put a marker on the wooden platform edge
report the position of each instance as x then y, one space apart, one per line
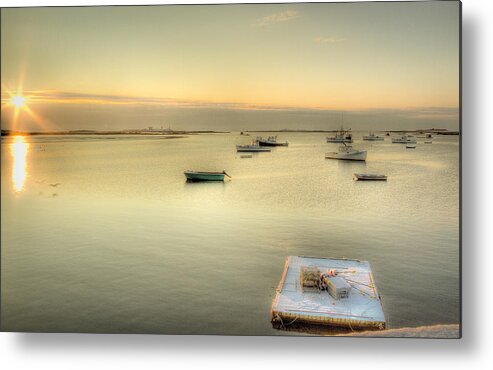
279 288
333 258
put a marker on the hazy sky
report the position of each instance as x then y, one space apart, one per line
233 66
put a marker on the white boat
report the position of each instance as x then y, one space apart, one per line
410 146
369 177
341 136
251 148
372 137
404 139
346 152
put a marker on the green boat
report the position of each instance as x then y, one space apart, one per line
195 176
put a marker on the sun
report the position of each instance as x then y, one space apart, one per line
18 100
19 105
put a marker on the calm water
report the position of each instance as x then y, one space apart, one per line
103 234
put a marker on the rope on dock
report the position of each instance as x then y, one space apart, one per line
350 327
359 283
278 319
291 322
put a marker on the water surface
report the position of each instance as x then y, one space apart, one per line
103 234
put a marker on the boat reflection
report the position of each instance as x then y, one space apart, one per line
19 149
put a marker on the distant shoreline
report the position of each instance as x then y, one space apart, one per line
437 131
195 132
91 132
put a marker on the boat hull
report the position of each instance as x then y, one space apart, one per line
370 138
369 177
403 141
358 156
339 141
268 143
203 176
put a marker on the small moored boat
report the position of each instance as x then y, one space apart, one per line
341 136
369 177
195 176
404 139
270 141
372 137
410 146
346 152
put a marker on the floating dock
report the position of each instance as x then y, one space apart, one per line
301 299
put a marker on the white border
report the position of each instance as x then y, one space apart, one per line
82 351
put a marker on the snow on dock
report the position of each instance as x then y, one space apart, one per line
298 299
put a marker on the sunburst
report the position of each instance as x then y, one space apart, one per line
18 101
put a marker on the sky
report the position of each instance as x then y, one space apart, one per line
232 67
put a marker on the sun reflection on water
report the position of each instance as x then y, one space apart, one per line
19 149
